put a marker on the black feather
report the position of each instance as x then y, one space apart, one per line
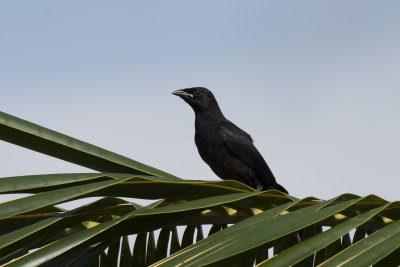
227 149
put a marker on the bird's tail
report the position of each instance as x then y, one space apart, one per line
281 188
277 187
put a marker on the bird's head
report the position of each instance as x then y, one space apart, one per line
199 98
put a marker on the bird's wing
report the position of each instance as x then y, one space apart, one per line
241 145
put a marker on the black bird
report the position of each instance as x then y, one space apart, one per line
227 149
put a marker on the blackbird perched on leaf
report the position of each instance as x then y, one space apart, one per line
227 149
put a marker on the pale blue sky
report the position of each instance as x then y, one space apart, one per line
316 83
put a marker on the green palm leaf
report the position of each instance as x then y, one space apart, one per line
265 228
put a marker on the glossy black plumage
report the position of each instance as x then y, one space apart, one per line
227 149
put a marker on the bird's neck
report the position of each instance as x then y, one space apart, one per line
206 122
210 114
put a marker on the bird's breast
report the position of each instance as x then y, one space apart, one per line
212 150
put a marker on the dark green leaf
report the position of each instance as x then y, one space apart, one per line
329 237
369 250
359 235
175 246
199 233
33 202
151 249
333 248
392 259
46 141
126 256
103 260
139 250
282 244
113 253
91 257
162 243
214 229
188 236
346 241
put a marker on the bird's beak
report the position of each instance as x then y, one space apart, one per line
182 93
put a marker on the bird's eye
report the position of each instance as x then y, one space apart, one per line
197 92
